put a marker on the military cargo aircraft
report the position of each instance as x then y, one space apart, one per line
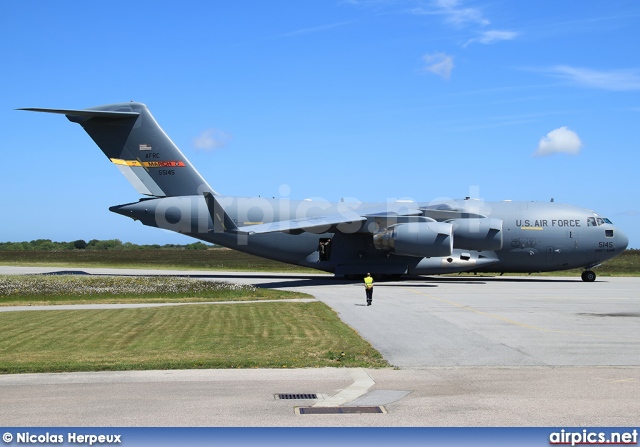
348 239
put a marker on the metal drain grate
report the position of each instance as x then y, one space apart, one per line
339 410
297 396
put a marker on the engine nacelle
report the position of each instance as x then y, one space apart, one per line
481 234
420 239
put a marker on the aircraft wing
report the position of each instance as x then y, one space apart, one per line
348 221
318 225
445 211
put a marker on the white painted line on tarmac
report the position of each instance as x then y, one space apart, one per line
361 384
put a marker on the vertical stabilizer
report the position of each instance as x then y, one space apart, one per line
131 138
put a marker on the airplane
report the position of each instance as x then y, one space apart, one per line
349 239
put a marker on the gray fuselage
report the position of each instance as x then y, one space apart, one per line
535 236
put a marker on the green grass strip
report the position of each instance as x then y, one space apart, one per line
260 335
20 290
217 259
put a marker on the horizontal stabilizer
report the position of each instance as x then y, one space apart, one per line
88 113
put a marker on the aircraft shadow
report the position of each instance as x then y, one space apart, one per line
310 281
485 279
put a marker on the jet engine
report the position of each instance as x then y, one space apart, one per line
481 234
420 239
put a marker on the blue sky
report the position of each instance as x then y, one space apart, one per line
363 99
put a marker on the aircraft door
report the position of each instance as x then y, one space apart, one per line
550 254
324 249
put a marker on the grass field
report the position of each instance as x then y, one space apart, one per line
251 335
265 335
243 335
212 259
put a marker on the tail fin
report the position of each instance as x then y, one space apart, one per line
131 138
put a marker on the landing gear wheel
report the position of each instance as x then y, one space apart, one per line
588 276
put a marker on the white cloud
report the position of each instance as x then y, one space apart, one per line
561 140
453 11
439 63
211 139
617 80
493 36
458 15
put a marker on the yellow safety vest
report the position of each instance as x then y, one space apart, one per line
368 282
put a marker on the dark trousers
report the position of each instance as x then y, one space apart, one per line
369 294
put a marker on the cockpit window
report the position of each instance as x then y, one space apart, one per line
597 221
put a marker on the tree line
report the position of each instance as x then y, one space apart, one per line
95 244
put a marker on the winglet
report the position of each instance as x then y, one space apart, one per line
222 223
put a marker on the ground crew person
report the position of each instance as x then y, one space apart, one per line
368 287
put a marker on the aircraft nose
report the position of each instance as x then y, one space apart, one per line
621 240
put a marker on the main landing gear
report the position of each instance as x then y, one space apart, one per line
588 276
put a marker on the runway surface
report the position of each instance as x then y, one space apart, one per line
468 351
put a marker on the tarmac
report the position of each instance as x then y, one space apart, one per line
468 351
